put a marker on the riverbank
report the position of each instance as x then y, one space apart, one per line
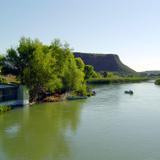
55 98
116 80
5 109
111 80
67 96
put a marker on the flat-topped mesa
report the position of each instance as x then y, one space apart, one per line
105 62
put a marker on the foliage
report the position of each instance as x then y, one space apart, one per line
2 58
106 74
157 82
4 108
80 63
45 68
18 59
116 80
39 75
82 91
66 67
89 72
2 80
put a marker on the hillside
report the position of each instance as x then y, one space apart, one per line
105 62
152 73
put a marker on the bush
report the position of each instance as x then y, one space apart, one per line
2 80
82 91
5 108
157 82
116 80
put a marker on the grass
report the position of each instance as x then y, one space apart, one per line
10 78
116 80
5 108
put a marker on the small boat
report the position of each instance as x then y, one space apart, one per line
93 93
128 92
76 97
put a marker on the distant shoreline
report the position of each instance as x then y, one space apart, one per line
117 80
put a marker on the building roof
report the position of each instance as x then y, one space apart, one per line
5 85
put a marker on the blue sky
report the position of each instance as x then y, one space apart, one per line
129 28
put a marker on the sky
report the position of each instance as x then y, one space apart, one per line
129 28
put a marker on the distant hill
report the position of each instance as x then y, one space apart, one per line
105 62
152 73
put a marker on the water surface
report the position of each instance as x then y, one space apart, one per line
109 126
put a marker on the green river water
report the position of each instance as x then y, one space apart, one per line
109 126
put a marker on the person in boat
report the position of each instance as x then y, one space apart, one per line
93 93
129 92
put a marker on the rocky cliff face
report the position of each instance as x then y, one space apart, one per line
105 62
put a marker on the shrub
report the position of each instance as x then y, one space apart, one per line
157 82
4 108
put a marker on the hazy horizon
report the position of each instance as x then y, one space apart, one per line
127 28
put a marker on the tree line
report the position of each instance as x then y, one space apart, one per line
46 68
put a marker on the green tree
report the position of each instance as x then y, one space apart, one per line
45 68
104 74
80 64
18 59
2 59
61 53
89 72
66 67
39 75
73 77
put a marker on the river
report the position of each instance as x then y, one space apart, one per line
109 126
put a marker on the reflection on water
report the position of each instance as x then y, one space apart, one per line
13 130
39 132
108 126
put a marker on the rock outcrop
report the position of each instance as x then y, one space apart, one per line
105 62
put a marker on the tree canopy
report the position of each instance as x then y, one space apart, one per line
46 68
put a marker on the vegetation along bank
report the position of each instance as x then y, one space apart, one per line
157 82
116 80
52 71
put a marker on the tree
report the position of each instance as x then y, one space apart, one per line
61 53
39 75
105 74
46 68
18 59
2 58
67 70
73 77
89 72
80 64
